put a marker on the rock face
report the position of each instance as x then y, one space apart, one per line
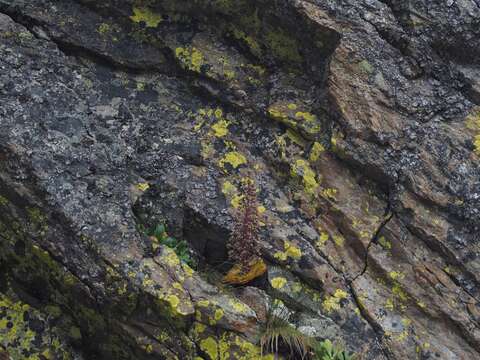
359 121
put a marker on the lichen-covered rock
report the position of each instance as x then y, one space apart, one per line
358 121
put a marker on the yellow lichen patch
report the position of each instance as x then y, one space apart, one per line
387 245
210 347
199 328
297 287
295 138
218 314
237 200
402 336
147 16
208 150
330 193
290 251
218 113
396 275
238 275
310 122
317 150
333 142
228 189
234 158
238 306
322 239
20 337
339 240
278 282
399 292
296 120
149 348
191 58
203 303
229 74
332 303
104 28
143 186
389 305
187 269
220 128
472 122
169 257
305 116
302 169
277 112
231 192
476 143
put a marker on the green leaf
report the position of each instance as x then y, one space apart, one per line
170 242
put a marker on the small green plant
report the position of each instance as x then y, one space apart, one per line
159 236
325 350
278 331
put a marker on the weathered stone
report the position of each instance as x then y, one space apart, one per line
358 121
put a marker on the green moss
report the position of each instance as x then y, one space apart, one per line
75 333
147 16
283 46
248 41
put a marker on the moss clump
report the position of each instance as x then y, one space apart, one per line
283 46
147 16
